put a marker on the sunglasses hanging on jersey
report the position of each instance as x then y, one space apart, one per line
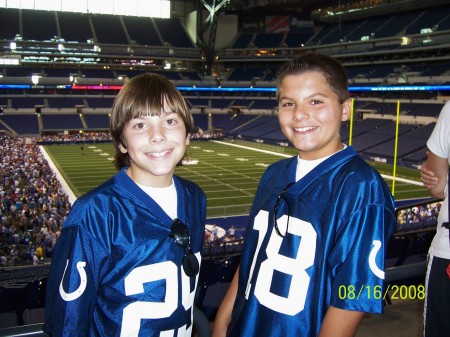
180 235
275 210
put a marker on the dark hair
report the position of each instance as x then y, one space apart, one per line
329 67
145 95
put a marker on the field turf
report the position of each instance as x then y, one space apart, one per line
229 175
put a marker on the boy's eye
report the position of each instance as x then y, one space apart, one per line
315 101
171 121
139 125
287 104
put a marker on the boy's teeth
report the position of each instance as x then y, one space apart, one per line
158 154
305 128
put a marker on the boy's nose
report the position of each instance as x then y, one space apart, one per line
299 114
157 135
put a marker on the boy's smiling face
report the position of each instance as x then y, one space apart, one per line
310 114
155 144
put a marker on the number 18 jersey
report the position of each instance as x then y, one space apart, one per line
336 222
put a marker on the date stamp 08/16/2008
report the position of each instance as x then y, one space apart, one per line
393 292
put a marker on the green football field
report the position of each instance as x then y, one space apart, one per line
228 172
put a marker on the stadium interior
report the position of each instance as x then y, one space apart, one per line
60 72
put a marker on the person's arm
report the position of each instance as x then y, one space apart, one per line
428 178
439 169
223 316
340 323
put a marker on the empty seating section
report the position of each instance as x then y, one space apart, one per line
265 125
276 135
22 72
246 74
340 32
173 33
57 72
230 122
367 28
201 121
75 27
218 103
46 22
360 128
268 40
408 142
263 104
9 23
142 31
255 122
435 70
190 75
412 22
99 102
197 102
374 136
172 75
97 121
4 102
22 124
61 122
26 102
428 19
420 109
243 40
243 103
64 102
108 29
295 40
97 73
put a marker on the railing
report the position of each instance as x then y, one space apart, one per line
201 324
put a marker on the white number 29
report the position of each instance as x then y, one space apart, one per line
134 284
296 267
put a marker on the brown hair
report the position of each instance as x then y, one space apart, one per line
329 67
145 95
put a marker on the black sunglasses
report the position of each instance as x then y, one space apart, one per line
275 210
180 235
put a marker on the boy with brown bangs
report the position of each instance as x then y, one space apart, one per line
127 260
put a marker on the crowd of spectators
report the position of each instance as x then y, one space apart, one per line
419 217
105 137
33 206
76 137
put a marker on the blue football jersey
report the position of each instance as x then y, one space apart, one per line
116 272
336 223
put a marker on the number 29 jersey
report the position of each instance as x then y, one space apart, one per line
336 223
116 271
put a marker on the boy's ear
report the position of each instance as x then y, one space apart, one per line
346 110
187 138
122 148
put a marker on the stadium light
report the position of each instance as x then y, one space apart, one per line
35 79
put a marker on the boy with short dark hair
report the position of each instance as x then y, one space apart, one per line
313 257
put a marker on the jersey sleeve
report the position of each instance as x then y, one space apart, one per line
358 259
73 280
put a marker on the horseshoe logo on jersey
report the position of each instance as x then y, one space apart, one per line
372 263
82 287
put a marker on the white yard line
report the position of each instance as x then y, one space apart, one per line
412 182
65 187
